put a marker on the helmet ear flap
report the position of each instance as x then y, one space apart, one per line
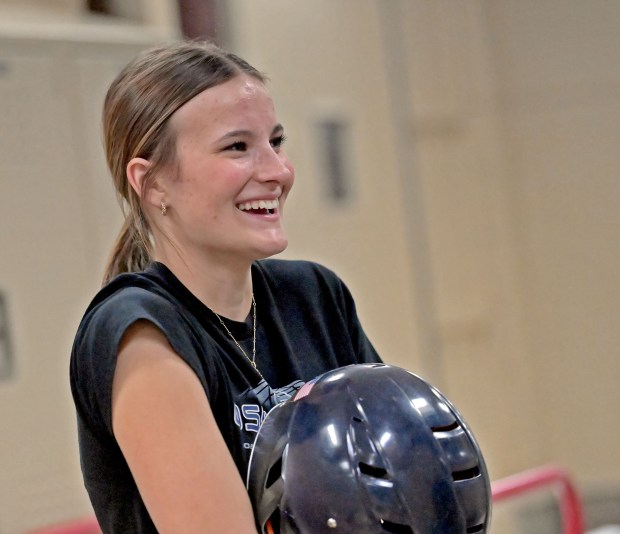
264 481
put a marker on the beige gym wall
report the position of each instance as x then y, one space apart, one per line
482 241
59 220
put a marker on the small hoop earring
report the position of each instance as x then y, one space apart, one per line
164 209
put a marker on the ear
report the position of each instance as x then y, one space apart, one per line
137 170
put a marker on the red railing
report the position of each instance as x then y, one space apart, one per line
553 477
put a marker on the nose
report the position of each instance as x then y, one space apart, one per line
273 166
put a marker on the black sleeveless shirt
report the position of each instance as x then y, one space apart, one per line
306 325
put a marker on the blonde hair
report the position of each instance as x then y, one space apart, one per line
136 113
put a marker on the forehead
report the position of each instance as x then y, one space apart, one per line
231 104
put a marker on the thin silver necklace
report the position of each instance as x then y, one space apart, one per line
252 360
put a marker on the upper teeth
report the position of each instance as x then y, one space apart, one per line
259 204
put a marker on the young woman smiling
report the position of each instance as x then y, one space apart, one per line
196 335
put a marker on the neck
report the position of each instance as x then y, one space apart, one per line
223 286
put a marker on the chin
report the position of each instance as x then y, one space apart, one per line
271 249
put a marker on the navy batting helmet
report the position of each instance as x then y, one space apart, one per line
368 448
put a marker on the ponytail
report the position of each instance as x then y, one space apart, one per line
131 251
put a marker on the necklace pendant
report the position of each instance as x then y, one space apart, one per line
253 363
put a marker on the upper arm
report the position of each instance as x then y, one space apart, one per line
163 423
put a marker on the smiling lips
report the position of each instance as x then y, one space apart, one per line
260 207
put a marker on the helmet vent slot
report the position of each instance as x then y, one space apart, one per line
466 474
372 471
273 523
477 528
395 528
446 428
275 472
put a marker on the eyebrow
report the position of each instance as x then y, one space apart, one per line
278 128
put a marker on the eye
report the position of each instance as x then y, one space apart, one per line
278 141
238 146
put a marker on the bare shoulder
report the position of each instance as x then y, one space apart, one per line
162 420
